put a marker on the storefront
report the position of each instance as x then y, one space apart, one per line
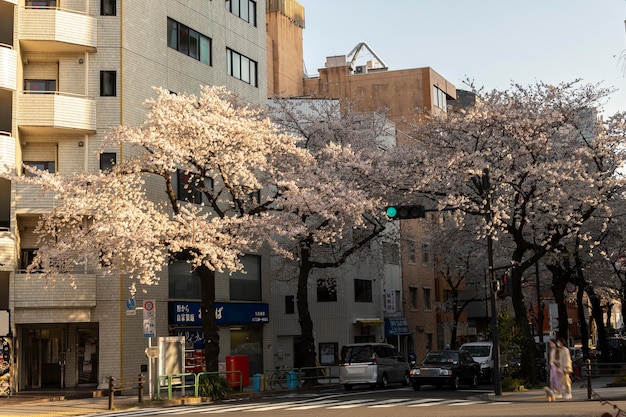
242 323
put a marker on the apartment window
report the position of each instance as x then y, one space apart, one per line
241 67
411 252
245 9
48 166
188 41
439 98
108 8
362 291
326 290
190 187
290 304
247 286
391 253
184 282
40 86
27 256
107 160
427 303
413 297
41 4
425 254
107 83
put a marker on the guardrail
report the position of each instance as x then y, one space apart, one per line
119 385
598 369
190 380
188 384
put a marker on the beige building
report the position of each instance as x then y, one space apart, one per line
70 70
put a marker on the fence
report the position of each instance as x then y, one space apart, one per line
188 384
596 369
120 385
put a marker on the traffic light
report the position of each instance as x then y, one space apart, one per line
405 212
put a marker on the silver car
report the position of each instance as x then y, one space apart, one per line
374 364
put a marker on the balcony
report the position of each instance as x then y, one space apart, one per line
8 67
40 112
7 153
57 30
7 250
34 292
32 199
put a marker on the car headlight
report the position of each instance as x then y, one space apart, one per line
445 372
415 372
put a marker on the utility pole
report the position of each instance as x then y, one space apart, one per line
492 276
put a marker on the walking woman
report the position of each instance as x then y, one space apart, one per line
555 390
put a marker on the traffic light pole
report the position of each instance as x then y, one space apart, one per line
492 276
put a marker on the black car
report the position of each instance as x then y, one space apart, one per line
446 367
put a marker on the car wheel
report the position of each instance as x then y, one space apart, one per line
474 382
407 380
456 383
416 386
347 387
384 381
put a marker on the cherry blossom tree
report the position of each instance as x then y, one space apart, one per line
551 164
345 198
241 175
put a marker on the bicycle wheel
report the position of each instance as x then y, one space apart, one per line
274 381
282 380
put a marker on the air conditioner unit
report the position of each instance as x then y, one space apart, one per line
360 69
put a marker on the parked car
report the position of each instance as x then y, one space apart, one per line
374 364
482 352
446 367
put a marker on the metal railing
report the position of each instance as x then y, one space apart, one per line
119 385
594 369
188 384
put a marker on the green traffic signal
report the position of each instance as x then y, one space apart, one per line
405 212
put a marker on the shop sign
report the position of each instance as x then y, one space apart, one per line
225 313
395 326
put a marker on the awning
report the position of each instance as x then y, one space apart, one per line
396 326
369 322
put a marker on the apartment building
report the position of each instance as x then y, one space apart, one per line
371 86
70 70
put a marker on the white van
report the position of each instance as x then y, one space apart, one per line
375 364
482 352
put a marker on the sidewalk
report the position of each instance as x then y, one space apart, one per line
81 401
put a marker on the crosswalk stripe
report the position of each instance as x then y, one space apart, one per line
317 404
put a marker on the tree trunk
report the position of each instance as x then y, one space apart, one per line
529 349
582 320
596 311
209 324
306 323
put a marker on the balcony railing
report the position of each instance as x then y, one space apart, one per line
32 199
8 255
35 292
57 110
7 153
8 67
57 30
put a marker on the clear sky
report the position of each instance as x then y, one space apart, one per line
493 42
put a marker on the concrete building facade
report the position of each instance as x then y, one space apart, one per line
69 71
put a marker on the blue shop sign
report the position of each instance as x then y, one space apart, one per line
396 326
225 313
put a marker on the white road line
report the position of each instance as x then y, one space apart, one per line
312 406
388 403
350 404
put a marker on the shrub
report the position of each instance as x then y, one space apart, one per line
214 387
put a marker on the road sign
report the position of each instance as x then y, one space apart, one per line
149 318
131 304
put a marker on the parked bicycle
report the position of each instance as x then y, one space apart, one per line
278 379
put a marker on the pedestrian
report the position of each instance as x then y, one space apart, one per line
555 390
565 359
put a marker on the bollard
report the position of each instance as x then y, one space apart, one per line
111 392
140 389
589 390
